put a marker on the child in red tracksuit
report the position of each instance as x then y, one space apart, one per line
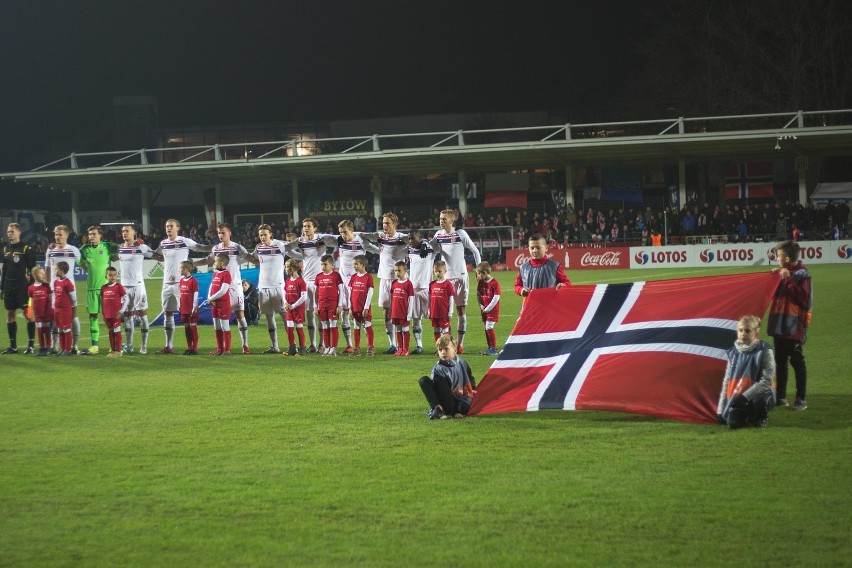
361 290
188 286
402 305
441 295
789 319
64 305
40 303
331 297
220 303
114 302
488 294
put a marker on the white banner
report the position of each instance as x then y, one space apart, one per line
748 254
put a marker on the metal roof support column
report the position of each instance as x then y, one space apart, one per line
681 182
75 210
376 189
802 168
462 193
145 197
569 186
220 213
294 184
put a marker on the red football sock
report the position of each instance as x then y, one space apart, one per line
370 337
357 338
301 332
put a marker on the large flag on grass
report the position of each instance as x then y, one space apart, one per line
655 348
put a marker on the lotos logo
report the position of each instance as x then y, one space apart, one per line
727 255
641 258
844 252
772 254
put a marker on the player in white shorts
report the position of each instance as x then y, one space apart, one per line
173 250
393 247
131 256
270 254
312 246
59 252
349 245
421 261
453 242
235 253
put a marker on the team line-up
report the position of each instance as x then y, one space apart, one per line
297 280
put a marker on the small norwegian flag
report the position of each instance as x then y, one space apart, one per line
751 180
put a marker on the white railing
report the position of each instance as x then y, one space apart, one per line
306 148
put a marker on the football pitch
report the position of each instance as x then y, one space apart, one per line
269 460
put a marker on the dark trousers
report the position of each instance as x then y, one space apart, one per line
790 350
440 392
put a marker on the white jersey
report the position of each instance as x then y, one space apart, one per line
68 253
392 249
312 250
234 251
420 269
452 248
174 252
349 250
131 256
271 258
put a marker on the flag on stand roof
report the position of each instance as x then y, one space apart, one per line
655 348
506 190
749 180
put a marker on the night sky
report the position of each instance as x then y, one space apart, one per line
220 62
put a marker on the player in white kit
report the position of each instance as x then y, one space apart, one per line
349 245
131 255
173 250
235 253
421 261
59 252
453 242
312 246
393 247
270 255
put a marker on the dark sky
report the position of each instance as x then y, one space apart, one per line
252 62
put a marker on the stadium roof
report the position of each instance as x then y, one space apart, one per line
810 134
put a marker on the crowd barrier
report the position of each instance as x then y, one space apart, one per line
686 256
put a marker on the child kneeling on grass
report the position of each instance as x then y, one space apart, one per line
748 392
450 389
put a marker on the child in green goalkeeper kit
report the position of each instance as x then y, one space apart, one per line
95 257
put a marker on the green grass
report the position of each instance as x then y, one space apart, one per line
265 460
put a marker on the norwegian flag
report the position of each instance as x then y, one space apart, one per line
654 348
751 180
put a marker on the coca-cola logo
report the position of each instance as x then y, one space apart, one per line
609 258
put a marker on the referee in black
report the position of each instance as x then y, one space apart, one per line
18 261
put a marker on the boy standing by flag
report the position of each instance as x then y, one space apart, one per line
789 319
539 271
